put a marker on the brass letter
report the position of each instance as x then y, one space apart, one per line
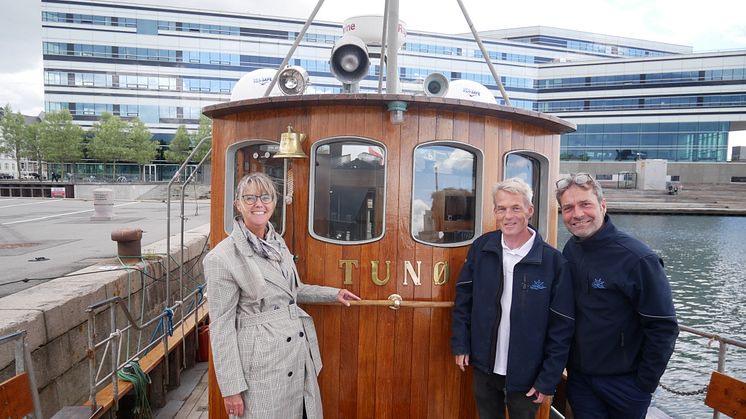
440 273
409 270
348 264
374 272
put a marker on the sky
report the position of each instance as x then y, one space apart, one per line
714 25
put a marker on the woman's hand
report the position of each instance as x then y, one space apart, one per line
233 405
344 297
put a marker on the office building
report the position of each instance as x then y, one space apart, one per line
630 98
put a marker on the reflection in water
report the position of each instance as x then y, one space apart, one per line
705 258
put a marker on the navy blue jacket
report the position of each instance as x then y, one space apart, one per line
625 319
541 313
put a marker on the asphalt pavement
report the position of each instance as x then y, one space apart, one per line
44 238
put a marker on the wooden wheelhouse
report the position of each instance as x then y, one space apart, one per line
385 209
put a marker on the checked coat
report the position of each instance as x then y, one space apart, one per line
264 346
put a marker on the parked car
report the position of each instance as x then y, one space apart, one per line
4 176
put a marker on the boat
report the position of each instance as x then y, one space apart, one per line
382 193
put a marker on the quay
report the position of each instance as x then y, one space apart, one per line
694 199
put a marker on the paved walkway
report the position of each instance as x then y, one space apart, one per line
44 238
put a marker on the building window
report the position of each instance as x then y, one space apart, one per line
348 190
250 156
532 168
445 194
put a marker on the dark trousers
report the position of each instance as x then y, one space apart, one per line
606 397
491 397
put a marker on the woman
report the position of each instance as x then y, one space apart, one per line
264 347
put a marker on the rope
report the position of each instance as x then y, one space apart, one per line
133 373
200 293
170 316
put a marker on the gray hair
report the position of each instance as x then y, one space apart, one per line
261 181
583 181
514 185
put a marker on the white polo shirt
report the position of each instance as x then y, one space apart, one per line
510 258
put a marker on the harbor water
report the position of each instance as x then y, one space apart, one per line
705 258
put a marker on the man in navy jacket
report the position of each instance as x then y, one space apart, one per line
513 315
625 328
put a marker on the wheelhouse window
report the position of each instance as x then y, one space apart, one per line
445 195
533 168
251 156
348 190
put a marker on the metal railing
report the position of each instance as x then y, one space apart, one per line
183 185
112 344
24 364
723 343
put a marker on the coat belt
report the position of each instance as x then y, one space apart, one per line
290 312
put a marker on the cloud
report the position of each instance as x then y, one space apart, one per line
23 91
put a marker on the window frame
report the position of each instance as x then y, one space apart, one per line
543 195
478 193
230 186
312 187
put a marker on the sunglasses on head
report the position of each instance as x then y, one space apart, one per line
578 179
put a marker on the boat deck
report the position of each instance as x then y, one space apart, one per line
189 399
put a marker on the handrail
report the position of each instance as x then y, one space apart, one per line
395 302
723 342
114 340
168 231
25 364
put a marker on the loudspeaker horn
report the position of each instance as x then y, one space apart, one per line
350 61
436 85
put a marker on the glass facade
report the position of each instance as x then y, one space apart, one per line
163 65
682 141
593 47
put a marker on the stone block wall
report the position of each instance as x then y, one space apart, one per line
54 314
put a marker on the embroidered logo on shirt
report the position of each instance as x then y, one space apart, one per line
538 285
598 283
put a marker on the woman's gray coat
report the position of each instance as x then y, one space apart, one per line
264 346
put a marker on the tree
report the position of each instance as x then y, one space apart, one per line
12 135
32 140
204 130
140 144
61 140
109 142
180 146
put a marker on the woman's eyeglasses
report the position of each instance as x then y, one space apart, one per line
580 179
251 199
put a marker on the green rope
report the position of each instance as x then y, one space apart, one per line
133 373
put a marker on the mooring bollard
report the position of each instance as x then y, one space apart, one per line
103 204
128 243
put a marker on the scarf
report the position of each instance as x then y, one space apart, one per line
270 247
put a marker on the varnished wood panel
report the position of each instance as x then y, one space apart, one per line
379 362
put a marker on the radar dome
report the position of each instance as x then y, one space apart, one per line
470 90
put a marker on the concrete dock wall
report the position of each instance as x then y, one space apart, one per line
688 172
54 314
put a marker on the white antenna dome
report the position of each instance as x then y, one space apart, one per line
470 90
253 85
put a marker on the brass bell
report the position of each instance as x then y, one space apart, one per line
290 145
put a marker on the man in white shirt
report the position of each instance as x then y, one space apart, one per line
513 315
